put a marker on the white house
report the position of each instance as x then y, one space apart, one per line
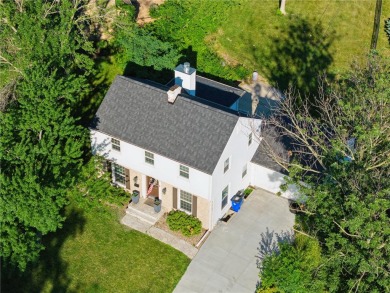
187 143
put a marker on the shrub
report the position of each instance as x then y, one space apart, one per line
187 224
247 191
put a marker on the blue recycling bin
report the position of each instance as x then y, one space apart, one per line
237 201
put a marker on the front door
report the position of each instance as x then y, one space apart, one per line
151 187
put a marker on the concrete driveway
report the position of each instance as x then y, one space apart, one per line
227 261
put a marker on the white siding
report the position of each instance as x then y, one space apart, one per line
240 153
164 169
270 180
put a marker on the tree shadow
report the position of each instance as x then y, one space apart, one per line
50 268
297 56
269 243
148 72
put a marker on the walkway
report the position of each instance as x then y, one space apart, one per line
227 261
142 218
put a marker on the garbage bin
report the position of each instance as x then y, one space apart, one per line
237 201
135 196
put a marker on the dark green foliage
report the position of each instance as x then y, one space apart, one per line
143 48
187 24
347 198
42 144
179 33
187 224
293 268
387 28
41 148
94 187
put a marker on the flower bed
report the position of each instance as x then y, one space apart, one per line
162 224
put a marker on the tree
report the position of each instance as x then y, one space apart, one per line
47 32
282 6
377 21
340 161
293 267
387 28
45 62
143 48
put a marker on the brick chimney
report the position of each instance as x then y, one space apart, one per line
173 92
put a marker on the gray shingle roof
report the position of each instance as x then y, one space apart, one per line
280 146
190 132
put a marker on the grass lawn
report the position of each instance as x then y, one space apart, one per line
95 253
250 34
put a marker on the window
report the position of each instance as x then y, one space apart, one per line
225 193
185 201
184 171
149 158
244 170
116 144
226 165
250 139
119 174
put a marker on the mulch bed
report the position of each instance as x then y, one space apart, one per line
162 224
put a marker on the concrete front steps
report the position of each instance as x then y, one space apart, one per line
143 212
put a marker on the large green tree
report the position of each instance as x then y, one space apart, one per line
45 64
343 159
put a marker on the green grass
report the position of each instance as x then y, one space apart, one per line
253 27
95 253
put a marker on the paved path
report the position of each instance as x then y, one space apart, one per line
227 261
159 234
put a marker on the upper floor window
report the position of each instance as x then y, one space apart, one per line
185 201
244 170
184 171
116 144
250 139
226 165
225 193
149 158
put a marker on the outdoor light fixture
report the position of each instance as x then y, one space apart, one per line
135 179
164 190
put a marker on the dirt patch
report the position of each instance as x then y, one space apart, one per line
101 18
193 240
144 8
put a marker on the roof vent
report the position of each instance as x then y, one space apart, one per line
173 93
186 67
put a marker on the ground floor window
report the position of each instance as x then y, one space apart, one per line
119 174
225 193
185 201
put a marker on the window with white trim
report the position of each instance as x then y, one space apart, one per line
119 174
244 171
184 171
226 165
225 193
250 139
149 158
115 144
185 201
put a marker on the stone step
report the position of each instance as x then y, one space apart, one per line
144 213
135 223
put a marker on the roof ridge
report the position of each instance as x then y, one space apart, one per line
187 98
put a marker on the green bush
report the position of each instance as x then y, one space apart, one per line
247 191
187 224
94 187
